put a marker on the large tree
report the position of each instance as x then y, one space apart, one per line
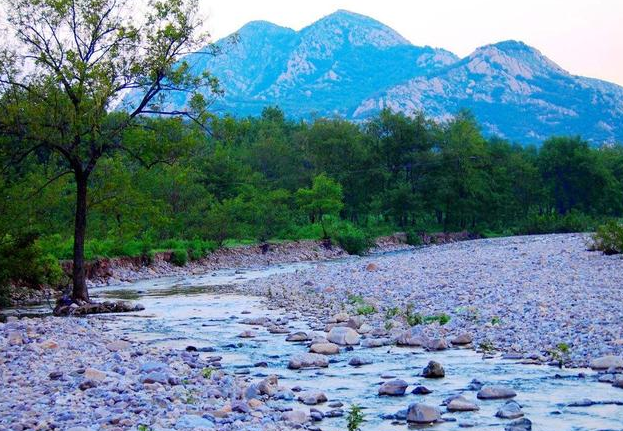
79 74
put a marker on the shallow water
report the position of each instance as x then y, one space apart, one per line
201 311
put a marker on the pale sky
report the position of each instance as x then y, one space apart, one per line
585 37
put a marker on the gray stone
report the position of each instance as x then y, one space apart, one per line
308 360
606 362
433 370
523 424
393 388
461 404
343 336
510 410
495 393
423 414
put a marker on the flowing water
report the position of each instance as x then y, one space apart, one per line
203 312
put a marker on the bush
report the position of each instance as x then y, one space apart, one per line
414 238
555 223
352 239
609 238
179 257
366 310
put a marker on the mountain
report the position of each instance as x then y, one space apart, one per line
351 65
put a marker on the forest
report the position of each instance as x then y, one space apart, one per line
254 180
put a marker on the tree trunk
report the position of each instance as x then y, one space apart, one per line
80 291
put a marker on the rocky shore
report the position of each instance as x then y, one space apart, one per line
539 299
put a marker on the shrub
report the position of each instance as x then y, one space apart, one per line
609 238
442 319
554 223
352 239
179 257
355 418
366 310
414 238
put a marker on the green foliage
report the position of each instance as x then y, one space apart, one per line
207 372
352 239
179 257
412 319
390 313
573 221
609 238
354 418
413 237
366 310
442 319
356 300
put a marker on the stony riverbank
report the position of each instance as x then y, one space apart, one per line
75 374
535 298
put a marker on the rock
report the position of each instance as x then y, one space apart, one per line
155 377
295 417
358 361
269 386
355 322
343 336
421 390
435 344
193 422
461 404
412 337
148 367
49 344
372 267
247 334
297 336
365 329
462 339
255 403
433 370
325 348
393 388
311 398
510 410
55 375
118 345
423 414
618 382
341 317
95 375
15 338
522 424
495 393
308 360
375 342
606 362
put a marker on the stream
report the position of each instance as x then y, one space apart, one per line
203 311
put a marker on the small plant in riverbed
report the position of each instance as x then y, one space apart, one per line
560 353
355 418
412 318
190 397
355 300
495 320
366 310
389 324
207 372
143 427
390 313
469 313
486 347
442 319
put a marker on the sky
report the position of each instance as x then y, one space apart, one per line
584 37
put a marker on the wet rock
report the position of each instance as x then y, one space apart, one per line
393 388
295 417
423 414
461 404
462 339
495 393
297 336
618 383
523 424
308 360
375 342
269 386
435 344
433 370
412 337
421 390
311 398
336 413
247 334
475 385
510 410
343 336
325 348
358 361
606 362
55 375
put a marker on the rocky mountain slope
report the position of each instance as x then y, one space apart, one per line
351 65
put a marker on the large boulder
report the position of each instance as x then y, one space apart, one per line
423 414
295 417
412 337
462 339
522 424
343 336
308 360
433 370
461 404
495 393
606 362
269 386
510 410
325 348
311 398
393 388
298 336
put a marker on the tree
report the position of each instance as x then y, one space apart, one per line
72 61
324 198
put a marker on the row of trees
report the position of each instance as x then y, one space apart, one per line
77 151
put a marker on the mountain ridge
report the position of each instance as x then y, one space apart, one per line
351 65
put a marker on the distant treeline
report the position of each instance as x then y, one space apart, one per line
270 178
